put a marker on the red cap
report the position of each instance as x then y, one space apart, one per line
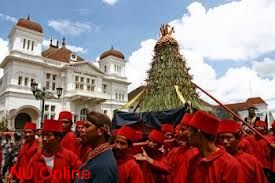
186 119
260 123
273 124
156 136
167 128
229 126
65 115
52 125
127 132
80 123
205 122
29 126
138 136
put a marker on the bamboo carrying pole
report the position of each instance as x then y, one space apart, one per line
231 112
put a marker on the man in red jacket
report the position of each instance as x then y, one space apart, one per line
27 150
179 155
128 169
53 163
69 140
154 164
168 132
229 136
82 148
260 148
212 164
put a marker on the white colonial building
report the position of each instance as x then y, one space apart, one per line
85 86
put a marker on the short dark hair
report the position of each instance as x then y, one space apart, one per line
210 138
101 120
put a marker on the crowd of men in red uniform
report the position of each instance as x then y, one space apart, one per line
200 149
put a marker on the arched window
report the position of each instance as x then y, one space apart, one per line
83 114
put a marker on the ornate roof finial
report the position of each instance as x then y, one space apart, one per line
57 42
28 18
164 30
51 41
63 41
112 47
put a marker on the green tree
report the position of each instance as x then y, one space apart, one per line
168 68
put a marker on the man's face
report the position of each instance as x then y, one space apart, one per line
260 129
66 125
29 135
49 140
79 127
183 135
88 133
168 135
229 141
153 144
194 137
251 112
120 146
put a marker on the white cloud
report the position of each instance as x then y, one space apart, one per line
139 63
8 18
110 2
3 52
71 28
236 30
73 48
265 68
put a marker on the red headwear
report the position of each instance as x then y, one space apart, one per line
127 132
30 126
138 136
260 123
229 126
167 128
156 136
273 124
80 123
205 122
52 125
65 115
186 119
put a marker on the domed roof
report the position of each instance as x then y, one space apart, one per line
27 23
112 52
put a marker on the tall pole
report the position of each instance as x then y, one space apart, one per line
42 113
232 113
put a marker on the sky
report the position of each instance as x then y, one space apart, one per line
229 45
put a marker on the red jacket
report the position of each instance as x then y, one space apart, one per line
245 145
272 139
83 152
178 159
25 154
261 150
220 167
129 171
157 172
70 142
64 161
251 167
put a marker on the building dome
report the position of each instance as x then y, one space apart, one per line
27 23
112 52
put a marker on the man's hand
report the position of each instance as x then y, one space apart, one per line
143 157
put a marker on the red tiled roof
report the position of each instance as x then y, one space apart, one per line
26 23
112 52
62 54
250 102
